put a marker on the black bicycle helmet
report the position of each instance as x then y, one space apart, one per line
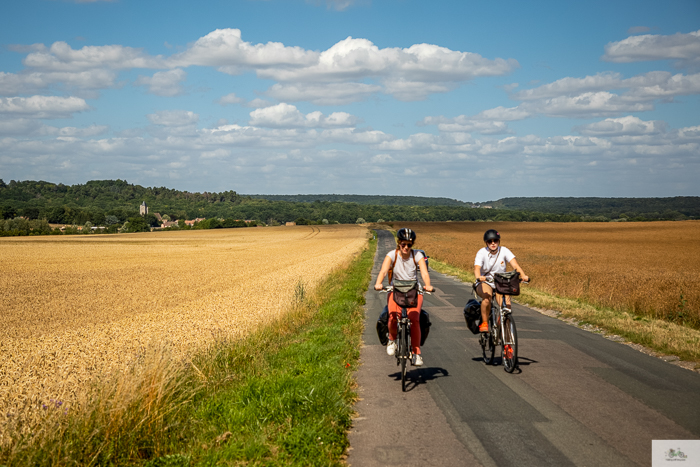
406 235
491 234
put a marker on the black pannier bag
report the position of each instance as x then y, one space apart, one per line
472 315
424 326
383 326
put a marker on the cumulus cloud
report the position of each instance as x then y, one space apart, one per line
349 71
229 99
164 83
685 48
288 116
74 132
409 74
62 57
623 126
585 105
464 124
569 86
173 118
12 84
224 48
323 94
42 106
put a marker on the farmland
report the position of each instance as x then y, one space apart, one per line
75 309
650 269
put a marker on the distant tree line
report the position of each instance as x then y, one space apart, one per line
112 205
675 208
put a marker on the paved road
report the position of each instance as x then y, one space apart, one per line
579 399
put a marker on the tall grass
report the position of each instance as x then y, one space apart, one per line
282 395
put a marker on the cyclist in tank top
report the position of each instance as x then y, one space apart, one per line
405 264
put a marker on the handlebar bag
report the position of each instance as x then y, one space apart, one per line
507 283
406 293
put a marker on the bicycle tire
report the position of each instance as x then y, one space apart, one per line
509 353
488 349
404 355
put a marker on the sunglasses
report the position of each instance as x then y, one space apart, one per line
403 245
488 242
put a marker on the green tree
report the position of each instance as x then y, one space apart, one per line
137 224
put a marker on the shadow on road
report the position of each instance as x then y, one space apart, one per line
418 376
522 361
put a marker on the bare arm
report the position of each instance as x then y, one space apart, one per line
477 274
386 265
424 274
517 267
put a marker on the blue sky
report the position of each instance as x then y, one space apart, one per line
468 100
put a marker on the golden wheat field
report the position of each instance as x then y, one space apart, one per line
649 268
76 308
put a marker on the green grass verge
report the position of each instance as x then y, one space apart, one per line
658 335
283 396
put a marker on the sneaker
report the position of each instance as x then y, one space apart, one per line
506 310
391 348
484 327
417 360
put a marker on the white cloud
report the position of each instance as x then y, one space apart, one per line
224 48
623 126
408 74
571 86
231 99
259 103
42 106
464 124
173 118
62 57
74 132
323 94
682 47
661 85
349 71
24 83
589 104
164 83
288 116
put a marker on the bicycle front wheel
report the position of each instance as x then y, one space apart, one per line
404 353
510 344
488 349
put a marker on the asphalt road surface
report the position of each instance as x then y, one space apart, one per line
578 399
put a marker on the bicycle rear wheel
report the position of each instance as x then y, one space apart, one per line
510 344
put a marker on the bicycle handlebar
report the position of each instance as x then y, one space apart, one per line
390 288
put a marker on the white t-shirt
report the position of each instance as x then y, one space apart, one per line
405 270
491 264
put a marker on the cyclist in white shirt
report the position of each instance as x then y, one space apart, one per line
490 260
